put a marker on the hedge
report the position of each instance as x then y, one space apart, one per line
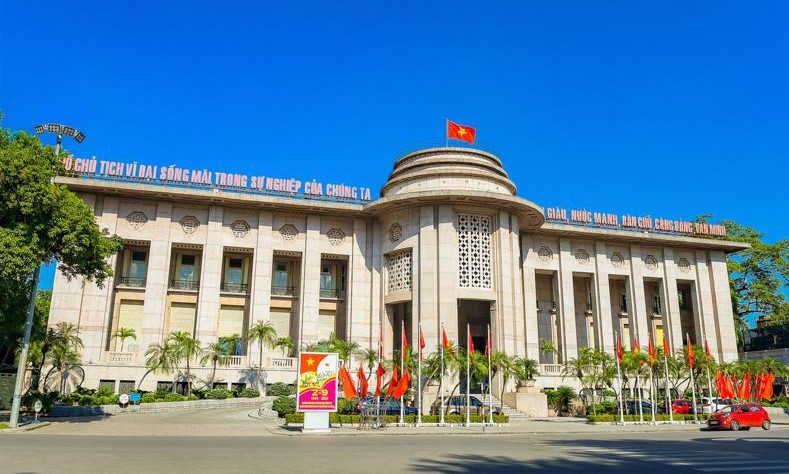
647 417
298 418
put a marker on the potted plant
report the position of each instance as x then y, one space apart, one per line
525 371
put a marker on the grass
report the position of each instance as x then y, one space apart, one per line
4 426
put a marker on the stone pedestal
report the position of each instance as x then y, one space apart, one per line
316 422
529 401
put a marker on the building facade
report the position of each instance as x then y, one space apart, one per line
448 243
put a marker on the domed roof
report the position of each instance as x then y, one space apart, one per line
454 175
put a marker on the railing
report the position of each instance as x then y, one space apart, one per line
656 309
623 308
193 285
234 361
132 282
120 358
554 306
551 369
283 362
330 293
283 290
235 287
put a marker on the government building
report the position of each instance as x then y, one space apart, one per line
449 242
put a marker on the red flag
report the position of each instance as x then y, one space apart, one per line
421 341
379 376
405 340
666 349
744 393
766 390
707 349
362 382
380 342
489 344
444 339
348 386
729 384
636 348
720 385
402 385
619 348
470 340
461 132
651 352
691 357
392 383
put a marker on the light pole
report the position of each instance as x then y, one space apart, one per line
21 368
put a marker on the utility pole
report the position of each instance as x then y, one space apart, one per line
21 369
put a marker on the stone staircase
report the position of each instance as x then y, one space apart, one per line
512 413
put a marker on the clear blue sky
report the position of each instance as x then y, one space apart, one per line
671 109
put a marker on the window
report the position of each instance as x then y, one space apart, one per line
235 274
126 386
130 316
681 297
656 306
187 270
182 317
107 383
137 266
281 282
623 303
164 386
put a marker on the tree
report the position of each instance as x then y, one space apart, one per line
344 349
215 353
266 336
502 364
41 222
187 347
64 337
123 334
284 343
159 357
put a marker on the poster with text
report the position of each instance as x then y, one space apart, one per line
317 384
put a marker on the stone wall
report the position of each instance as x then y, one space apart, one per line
67 411
7 382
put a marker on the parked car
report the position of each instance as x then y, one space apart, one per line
457 406
743 416
711 405
631 408
389 406
681 407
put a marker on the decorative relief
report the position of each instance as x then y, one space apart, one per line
240 228
288 231
336 236
582 257
189 224
395 232
136 220
617 260
474 251
545 254
651 262
684 265
399 270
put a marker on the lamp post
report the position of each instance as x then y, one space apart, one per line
21 368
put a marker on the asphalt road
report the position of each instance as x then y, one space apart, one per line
755 451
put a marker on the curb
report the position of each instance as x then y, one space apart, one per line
27 427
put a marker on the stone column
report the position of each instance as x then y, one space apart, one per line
376 281
603 303
723 345
705 317
446 256
531 323
640 316
426 281
262 267
567 311
673 329
358 326
309 296
155 306
506 324
210 278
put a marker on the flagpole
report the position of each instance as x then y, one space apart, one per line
441 385
619 376
419 379
468 373
638 393
380 356
652 393
446 135
489 347
692 383
402 361
668 390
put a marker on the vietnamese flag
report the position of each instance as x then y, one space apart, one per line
651 351
691 357
392 383
461 132
666 350
348 386
379 374
619 348
470 340
444 339
707 348
720 384
744 393
402 385
421 341
362 382
766 389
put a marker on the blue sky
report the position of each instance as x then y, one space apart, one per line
670 109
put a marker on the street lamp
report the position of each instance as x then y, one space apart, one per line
21 368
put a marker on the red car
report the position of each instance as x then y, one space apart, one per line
681 407
742 416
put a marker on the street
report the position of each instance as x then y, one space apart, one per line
653 452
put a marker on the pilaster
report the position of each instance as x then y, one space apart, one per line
640 319
262 266
603 295
154 308
310 282
210 278
567 314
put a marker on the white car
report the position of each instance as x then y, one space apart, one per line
711 405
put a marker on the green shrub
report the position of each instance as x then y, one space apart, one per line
174 397
192 397
87 401
47 400
337 418
199 393
611 418
4 426
104 392
346 407
148 397
603 408
106 400
249 392
217 394
284 406
160 394
279 389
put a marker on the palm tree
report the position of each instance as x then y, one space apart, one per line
64 359
284 343
63 334
215 353
159 357
502 364
123 334
344 349
186 347
266 336
548 348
